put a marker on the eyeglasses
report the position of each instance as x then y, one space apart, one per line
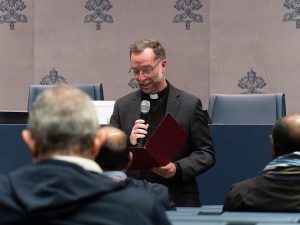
146 71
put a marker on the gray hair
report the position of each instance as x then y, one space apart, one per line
63 119
140 45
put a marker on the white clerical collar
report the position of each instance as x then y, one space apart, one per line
154 96
85 163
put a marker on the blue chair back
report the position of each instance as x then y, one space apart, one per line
95 91
241 126
246 108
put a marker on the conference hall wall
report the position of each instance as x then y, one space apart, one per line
213 46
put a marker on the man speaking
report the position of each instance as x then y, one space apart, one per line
148 67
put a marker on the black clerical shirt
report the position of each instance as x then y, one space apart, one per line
157 109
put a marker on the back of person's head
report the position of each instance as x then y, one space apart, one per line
63 119
286 135
114 153
140 45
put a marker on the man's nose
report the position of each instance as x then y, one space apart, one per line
141 75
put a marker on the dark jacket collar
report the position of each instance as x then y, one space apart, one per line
172 106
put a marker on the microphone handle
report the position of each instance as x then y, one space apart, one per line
141 141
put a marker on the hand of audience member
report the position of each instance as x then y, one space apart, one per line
139 130
166 171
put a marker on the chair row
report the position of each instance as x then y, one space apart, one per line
222 108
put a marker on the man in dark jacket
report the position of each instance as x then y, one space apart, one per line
65 184
277 188
115 158
148 68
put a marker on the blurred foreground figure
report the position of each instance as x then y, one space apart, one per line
277 188
115 158
65 184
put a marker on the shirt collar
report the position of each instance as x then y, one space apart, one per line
85 163
157 95
116 175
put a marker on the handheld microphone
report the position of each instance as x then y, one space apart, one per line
145 107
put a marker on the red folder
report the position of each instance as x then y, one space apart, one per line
161 147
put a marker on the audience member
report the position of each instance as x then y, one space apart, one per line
65 184
148 68
277 188
115 158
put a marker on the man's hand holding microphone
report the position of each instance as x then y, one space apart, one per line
138 133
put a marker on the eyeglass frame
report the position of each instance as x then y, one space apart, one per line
143 70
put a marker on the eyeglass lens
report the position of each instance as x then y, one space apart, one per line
147 70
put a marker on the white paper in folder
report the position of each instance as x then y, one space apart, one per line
104 110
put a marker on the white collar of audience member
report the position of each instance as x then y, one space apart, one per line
86 164
116 175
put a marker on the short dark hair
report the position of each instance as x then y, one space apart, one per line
285 136
140 45
114 153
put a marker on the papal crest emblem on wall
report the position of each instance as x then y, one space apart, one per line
251 82
133 84
11 9
98 7
188 15
294 14
53 78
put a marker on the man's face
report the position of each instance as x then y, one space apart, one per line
149 73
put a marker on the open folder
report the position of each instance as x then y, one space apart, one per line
161 146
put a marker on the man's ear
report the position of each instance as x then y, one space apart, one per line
164 65
275 150
98 142
130 157
30 142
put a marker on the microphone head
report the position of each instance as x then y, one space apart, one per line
145 106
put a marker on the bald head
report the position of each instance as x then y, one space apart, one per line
114 137
286 134
114 153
